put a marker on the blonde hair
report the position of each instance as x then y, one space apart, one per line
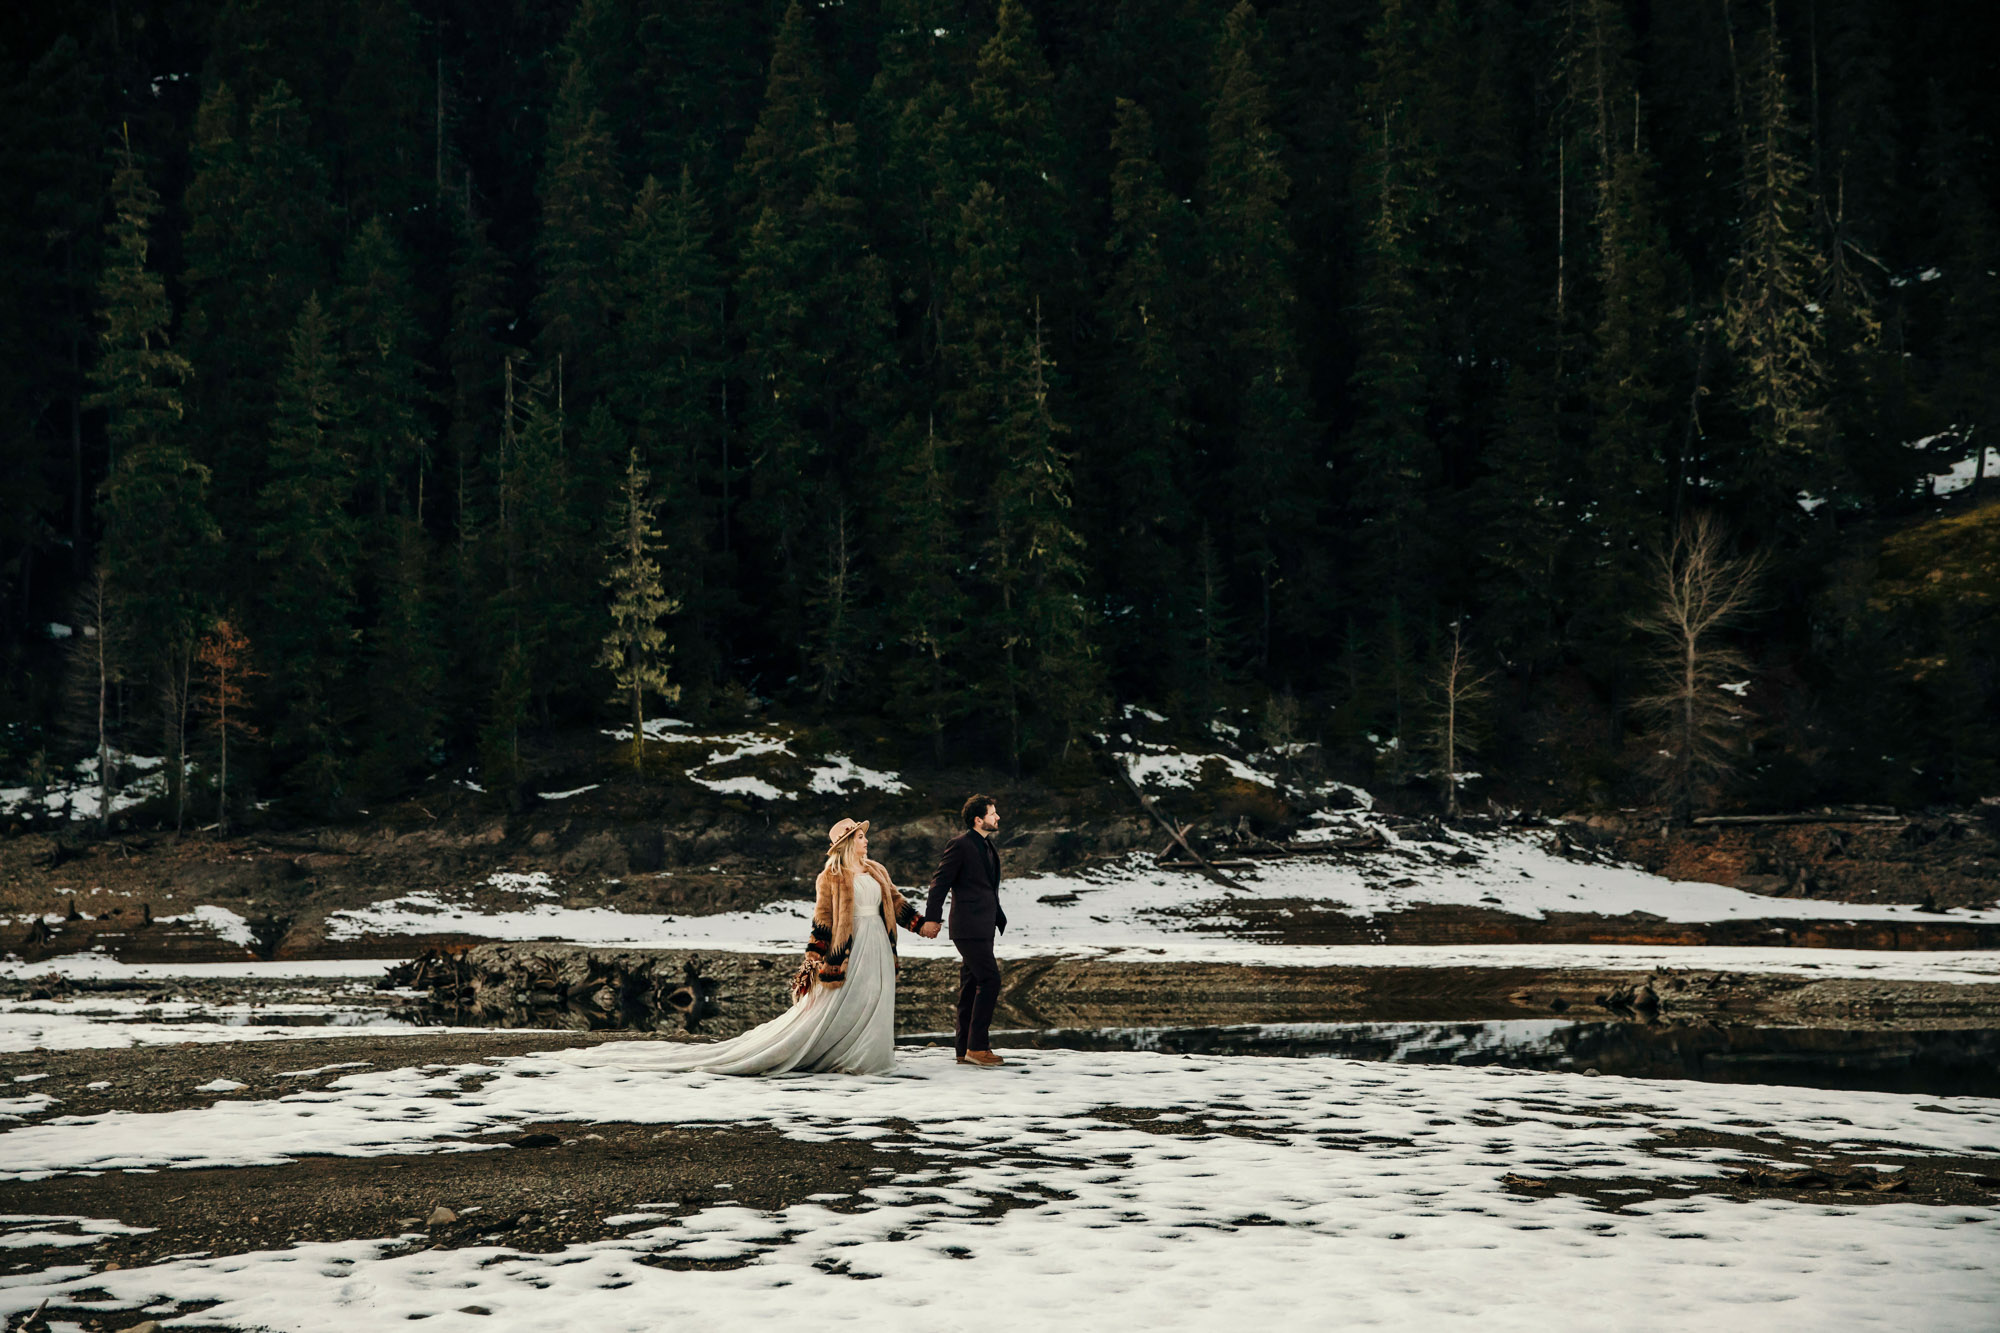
845 860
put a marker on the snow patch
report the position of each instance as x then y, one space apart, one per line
839 775
565 795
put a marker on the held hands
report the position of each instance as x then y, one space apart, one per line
928 930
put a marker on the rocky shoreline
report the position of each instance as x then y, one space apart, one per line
718 993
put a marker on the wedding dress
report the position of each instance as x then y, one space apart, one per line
849 1029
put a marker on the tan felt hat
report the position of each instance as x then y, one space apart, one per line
844 830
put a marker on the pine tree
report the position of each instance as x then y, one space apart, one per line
699 72
669 395
1033 569
159 539
1642 324
583 209
635 650
391 150
814 317
921 562
1141 474
309 547
1390 455
379 337
1391 458
404 661
1768 319
475 354
1261 416
256 248
543 582
914 119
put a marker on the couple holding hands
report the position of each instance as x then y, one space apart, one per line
843 1014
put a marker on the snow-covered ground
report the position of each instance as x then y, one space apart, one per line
1137 904
96 1022
828 775
1883 965
1137 1190
77 794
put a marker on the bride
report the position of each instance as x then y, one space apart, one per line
843 1014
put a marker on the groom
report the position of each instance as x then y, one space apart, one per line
970 873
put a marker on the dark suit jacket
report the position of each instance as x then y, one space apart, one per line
970 873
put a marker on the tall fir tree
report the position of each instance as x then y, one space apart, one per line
922 562
1048 681
635 649
259 224
583 202
160 541
1141 477
1390 458
404 660
379 340
1259 416
669 394
310 553
913 120
1773 330
814 317
391 154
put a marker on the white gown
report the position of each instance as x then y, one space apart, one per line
850 1029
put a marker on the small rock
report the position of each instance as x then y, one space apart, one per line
1593 1073
409 1223
442 1216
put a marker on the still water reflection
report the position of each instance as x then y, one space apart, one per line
1955 1062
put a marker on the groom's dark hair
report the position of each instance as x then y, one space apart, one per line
974 807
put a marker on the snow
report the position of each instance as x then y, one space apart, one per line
99 1023
14 1109
1173 768
840 775
221 1085
102 967
77 795
565 795
1960 472
225 923
831 775
1965 471
1280 1188
1140 905
533 883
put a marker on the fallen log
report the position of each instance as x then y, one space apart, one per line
1146 804
1801 817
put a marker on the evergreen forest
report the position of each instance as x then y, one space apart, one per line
1596 394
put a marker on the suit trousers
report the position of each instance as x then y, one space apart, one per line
978 992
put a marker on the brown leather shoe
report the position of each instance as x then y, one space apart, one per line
984 1059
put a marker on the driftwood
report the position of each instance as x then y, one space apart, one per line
1146 804
1801 817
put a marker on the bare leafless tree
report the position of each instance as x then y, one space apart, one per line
1457 694
1700 591
95 669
